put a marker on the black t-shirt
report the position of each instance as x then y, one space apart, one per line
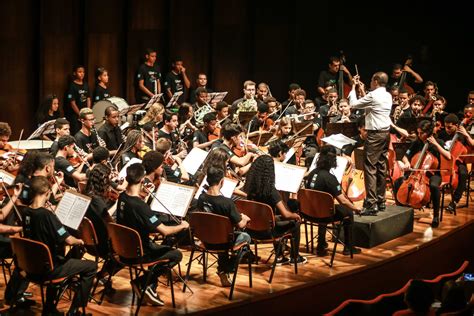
175 82
44 226
78 93
62 164
126 157
172 175
48 118
96 212
112 135
100 93
86 143
149 74
136 214
173 137
323 180
447 139
200 136
271 200
219 205
53 150
327 76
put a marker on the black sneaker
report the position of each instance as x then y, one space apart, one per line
22 302
368 212
451 207
225 279
347 251
152 297
435 222
299 260
381 207
282 260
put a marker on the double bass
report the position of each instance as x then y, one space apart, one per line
403 78
415 191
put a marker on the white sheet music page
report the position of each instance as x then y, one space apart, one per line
194 160
338 171
123 172
288 177
6 177
175 197
289 154
72 208
227 188
338 140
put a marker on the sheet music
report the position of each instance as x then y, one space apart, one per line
175 197
216 96
124 126
131 109
289 154
123 172
338 140
194 160
44 129
71 208
227 188
174 99
154 99
338 171
288 177
6 177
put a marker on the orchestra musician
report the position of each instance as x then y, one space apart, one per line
436 148
396 74
201 82
331 75
48 109
417 103
298 104
206 136
110 131
322 179
187 124
78 97
101 91
154 115
177 80
133 145
214 202
403 109
222 113
291 97
5 133
169 131
62 127
136 214
331 96
451 127
278 149
201 98
259 123
377 104
42 225
85 138
148 78
273 108
65 149
173 166
263 91
247 102
345 115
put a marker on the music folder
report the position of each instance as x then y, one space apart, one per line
46 128
172 198
338 172
72 208
6 177
194 160
227 188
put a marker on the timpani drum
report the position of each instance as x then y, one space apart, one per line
99 108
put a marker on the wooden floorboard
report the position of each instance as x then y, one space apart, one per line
210 295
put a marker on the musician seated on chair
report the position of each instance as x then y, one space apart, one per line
201 95
136 214
247 102
298 104
173 165
110 131
61 126
85 138
451 127
201 136
66 149
169 131
322 179
436 148
345 115
213 201
42 225
258 123
5 133
222 113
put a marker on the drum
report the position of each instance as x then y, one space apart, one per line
138 115
99 108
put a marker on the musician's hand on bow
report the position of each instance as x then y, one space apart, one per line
432 140
184 224
59 176
17 190
462 130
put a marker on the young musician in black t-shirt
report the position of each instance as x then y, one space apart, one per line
42 225
148 78
62 128
77 97
201 138
212 201
177 80
322 179
66 149
110 131
136 214
101 91
48 109
85 138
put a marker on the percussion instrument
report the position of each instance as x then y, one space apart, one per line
99 109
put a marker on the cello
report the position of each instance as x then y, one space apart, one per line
415 191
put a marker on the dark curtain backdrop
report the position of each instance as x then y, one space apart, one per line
230 40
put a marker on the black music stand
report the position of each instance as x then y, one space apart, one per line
245 117
348 129
131 109
260 139
47 128
410 123
216 96
400 149
174 99
303 128
154 99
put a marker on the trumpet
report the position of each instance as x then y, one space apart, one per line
397 112
333 110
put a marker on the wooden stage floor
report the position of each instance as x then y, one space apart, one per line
211 298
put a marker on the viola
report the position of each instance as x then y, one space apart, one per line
415 191
215 134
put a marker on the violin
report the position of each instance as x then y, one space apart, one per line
9 190
10 158
415 191
215 134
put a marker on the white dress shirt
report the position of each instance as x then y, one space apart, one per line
377 105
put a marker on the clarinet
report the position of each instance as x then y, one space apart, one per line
99 139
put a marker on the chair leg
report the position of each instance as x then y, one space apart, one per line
204 265
131 279
170 276
293 250
256 251
236 268
102 295
250 269
312 238
335 244
188 269
441 211
142 292
306 234
277 255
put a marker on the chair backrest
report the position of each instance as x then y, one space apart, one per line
87 232
126 242
32 256
211 228
261 214
437 283
316 204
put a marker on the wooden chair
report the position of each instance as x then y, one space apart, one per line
317 208
216 235
262 221
34 258
127 244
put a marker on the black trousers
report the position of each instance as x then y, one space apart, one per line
375 167
435 182
462 182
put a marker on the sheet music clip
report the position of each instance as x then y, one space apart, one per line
154 99
174 99
46 128
215 97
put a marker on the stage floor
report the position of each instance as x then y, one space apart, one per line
211 296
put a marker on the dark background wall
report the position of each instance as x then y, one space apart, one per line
229 40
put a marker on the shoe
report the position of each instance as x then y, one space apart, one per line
299 260
250 256
451 207
152 297
368 212
347 251
282 260
22 302
381 207
225 279
435 222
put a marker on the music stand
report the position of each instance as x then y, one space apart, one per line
216 96
261 138
410 123
245 117
348 129
174 99
46 128
154 99
400 149
303 128
359 157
